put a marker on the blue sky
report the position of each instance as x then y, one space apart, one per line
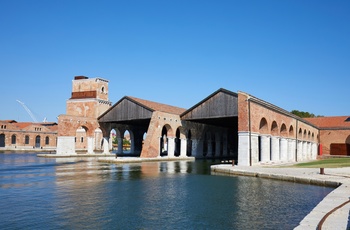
294 54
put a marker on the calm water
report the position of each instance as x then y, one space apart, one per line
40 193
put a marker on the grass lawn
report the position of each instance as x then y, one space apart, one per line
326 163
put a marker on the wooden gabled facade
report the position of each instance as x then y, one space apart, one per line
220 104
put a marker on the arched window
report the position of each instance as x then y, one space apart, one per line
13 139
26 140
47 141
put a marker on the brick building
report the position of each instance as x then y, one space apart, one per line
28 136
78 129
334 134
225 124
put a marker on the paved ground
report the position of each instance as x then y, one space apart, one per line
340 177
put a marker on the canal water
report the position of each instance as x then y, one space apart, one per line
81 193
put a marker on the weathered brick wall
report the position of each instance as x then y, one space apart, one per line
277 124
68 125
327 137
158 121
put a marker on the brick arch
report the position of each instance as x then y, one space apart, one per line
169 130
304 135
183 132
291 131
283 130
347 141
263 126
300 134
274 128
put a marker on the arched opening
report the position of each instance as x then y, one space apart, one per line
291 131
347 141
47 140
177 143
37 141
164 142
263 127
26 140
274 128
2 140
13 139
300 134
284 130
189 143
113 140
127 142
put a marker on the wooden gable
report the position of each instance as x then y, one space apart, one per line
220 104
126 109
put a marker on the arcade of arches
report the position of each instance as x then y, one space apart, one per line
225 124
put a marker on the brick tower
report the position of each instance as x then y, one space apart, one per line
78 128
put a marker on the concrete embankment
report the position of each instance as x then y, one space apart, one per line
331 213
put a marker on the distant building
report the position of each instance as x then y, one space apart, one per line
334 134
27 136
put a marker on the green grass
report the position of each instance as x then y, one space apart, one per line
326 163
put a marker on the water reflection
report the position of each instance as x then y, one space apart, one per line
81 193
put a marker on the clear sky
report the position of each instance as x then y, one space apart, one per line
292 53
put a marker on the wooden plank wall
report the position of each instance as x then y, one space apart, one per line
220 105
126 110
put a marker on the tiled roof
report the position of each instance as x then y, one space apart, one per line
8 121
155 106
330 122
23 125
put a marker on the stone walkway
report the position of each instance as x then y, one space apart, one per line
334 177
